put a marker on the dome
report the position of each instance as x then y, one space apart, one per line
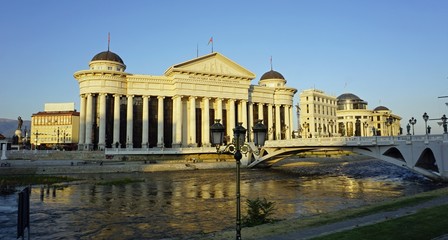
272 75
348 96
107 56
381 108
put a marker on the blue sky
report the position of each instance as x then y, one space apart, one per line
391 53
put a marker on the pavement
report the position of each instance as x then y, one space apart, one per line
312 232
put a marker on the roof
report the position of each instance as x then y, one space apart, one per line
108 56
272 75
381 108
348 96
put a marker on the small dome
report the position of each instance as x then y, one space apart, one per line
381 108
107 56
348 96
272 75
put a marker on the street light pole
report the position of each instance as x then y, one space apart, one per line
426 117
239 133
412 121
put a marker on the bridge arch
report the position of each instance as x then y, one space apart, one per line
427 161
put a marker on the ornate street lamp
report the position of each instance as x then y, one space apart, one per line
412 121
239 135
444 118
305 126
331 123
389 121
259 131
217 134
366 125
426 117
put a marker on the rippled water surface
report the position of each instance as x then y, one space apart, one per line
179 204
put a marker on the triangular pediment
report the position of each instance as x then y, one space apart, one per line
214 64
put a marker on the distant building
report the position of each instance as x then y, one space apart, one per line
322 115
56 126
125 110
354 119
317 114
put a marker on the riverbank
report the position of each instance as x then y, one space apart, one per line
346 220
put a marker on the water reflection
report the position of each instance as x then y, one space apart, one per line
178 204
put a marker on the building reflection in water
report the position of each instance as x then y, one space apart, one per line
176 204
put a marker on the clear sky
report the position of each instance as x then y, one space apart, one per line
391 53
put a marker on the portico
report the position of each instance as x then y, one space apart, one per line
123 110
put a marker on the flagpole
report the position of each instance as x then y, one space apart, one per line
108 41
197 50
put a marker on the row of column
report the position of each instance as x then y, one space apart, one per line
87 120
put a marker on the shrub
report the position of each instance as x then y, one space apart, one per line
258 212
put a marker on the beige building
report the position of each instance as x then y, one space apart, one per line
56 126
120 109
317 114
322 115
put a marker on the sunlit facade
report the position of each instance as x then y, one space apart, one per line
124 110
56 126
317 114
323 115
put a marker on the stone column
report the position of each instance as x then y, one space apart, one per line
102 130
287 123
145 122
244 115
192 122
205 122
218 111
260 110
116 121
177 123
82 122
89 122
271 123
160 142
250 123
231 118
277 122
130 122
291 122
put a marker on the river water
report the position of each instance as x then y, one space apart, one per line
168 205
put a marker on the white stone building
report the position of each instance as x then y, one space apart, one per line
323 115
120 109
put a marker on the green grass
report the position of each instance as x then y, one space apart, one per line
425 224
119 182
24 180
8 184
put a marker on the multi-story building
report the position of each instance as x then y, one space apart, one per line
317 114
322 115
120 109
56 127
354 119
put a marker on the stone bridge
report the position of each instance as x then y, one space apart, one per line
424 154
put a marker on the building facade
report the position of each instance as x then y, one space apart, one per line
323 115
124 110
317 114
56 127
354 119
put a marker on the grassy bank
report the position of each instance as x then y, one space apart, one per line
8 184
285 226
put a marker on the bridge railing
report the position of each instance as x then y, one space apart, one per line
355 140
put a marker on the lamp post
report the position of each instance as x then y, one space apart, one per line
412 121
331 123
305 126
366 125
426 117
389 121
444 118
239 134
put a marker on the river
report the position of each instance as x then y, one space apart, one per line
169 205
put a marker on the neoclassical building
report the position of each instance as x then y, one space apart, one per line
124 110
323 115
